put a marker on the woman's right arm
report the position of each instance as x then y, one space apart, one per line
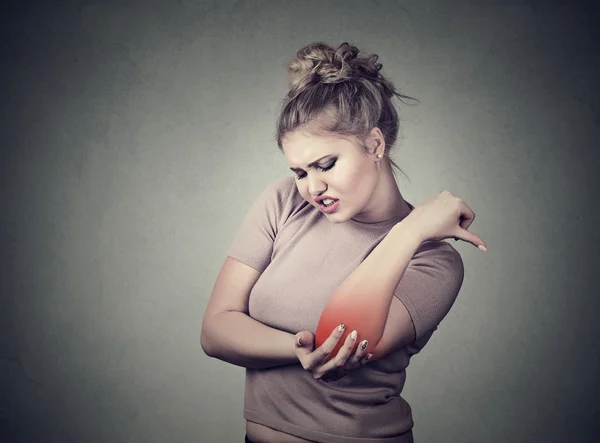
230 334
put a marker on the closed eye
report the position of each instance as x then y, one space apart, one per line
324 169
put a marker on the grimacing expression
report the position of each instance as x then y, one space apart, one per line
341 170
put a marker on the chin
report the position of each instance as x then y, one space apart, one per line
336 217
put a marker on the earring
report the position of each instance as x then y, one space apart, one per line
379 156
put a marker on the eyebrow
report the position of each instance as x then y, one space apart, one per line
310 165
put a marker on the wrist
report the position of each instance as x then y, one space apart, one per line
409 232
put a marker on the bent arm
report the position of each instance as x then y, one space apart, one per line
365 300
230 334
242 341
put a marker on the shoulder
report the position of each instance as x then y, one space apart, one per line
433 249
440 257
282 191
280 199
282 187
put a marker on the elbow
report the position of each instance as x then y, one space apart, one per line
205 344
209 337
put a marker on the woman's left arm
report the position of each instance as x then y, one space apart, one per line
390 303
365 300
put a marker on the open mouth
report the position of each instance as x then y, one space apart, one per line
327 202
329 207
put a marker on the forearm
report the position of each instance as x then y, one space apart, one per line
238 339
363 299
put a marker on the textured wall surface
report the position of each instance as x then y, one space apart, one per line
135 135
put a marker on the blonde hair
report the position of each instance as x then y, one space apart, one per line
341 92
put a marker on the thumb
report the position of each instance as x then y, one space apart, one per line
303 339
476 240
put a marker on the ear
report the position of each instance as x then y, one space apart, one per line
375 142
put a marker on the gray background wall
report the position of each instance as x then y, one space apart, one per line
135 135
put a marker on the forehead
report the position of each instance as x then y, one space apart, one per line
301 148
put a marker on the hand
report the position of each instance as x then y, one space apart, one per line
444 216
316 362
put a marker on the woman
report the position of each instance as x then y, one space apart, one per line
335 243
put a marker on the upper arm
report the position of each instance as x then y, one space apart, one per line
231 291
423 297
430 285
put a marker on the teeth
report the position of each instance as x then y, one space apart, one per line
327 201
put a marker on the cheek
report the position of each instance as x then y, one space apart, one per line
358 186
350 182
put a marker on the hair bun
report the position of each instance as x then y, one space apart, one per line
321 63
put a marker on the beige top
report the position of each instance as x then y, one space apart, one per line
303 258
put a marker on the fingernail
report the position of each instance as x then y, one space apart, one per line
341 327
298 341
483 248
353 335
369 357
363 345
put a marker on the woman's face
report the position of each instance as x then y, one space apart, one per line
325 165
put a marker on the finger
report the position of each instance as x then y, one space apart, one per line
476 240
355 359
345 351
337 364
305 340
323 351
366 358
466 219
467 216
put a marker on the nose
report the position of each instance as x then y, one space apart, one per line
315 185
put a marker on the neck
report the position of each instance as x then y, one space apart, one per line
387 202
397 206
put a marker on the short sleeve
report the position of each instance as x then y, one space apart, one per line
430 285
253 242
